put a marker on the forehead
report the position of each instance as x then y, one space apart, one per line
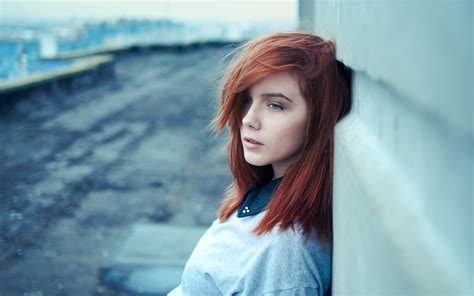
283 82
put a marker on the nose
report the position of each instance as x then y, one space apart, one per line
250 118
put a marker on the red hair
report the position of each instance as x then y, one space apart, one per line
304 195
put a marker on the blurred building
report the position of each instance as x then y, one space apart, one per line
23 47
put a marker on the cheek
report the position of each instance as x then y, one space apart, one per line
291 136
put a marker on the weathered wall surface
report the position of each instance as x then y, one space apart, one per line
405 154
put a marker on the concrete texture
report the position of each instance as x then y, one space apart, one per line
80 169
422 49
404 155
141 281
152 259
150 244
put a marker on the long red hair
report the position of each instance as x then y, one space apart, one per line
304 195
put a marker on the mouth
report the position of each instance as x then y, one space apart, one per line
252 141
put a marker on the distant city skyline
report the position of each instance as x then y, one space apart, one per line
192 10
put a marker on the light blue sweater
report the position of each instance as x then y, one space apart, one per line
230 260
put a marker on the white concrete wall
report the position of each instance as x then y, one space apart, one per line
404 156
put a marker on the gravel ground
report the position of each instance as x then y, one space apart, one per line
80 168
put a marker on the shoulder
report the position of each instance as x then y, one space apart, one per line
285 261
294 239
314 260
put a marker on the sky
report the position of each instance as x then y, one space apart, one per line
217 10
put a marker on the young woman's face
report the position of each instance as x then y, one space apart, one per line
274 121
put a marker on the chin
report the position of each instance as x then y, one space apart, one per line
256 161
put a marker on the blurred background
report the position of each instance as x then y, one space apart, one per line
107 167
33 30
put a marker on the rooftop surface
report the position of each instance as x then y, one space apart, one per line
80 170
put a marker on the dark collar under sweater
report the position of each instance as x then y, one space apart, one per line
256 199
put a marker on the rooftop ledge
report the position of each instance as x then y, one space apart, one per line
83 52
112 49
78 66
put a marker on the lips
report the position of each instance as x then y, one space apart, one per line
252 141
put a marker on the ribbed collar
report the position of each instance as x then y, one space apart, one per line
256 199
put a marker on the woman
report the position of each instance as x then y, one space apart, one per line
280 98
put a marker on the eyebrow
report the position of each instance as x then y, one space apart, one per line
280 95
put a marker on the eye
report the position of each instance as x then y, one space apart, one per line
247 102
276 106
